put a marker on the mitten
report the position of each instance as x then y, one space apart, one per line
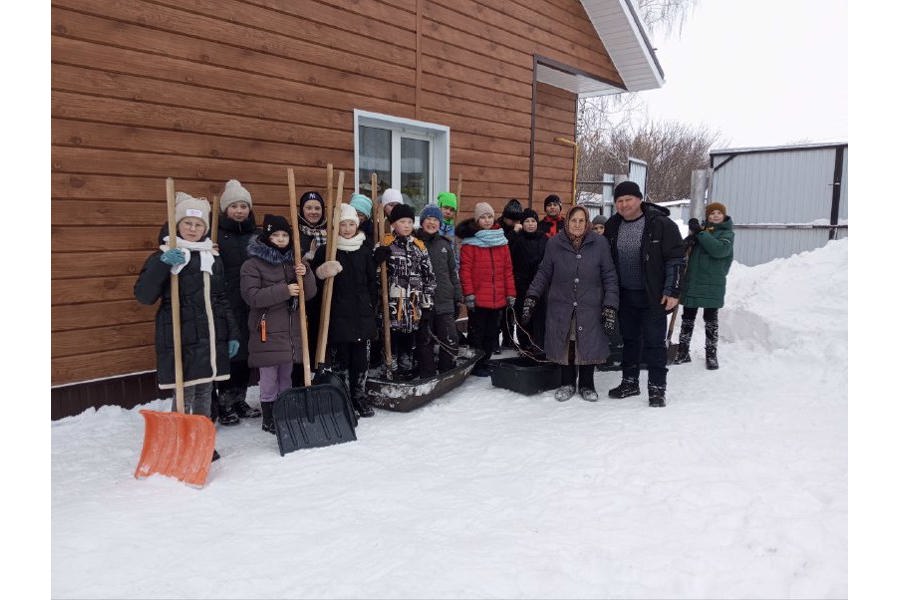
511 301
528 309
694 226
608 318
233 347
172 256
329 268
381 254
470 301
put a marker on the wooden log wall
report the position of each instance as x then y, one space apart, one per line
210 90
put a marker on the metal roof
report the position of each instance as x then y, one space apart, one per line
785 148
620 29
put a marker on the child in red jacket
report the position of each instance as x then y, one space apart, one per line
486 275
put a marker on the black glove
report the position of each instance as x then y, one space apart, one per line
528 309
511 301
470 301
381 254
694 226
608 318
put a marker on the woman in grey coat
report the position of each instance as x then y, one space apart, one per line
579 276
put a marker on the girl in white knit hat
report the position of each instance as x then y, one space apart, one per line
209 332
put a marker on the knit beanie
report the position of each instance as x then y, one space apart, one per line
188 206
598 220
716 206
361 203
628 188
348 213
430 212
234 192
401 211
273 223
483 208
307 196
513 210
530 214
448 200
392 196
552 199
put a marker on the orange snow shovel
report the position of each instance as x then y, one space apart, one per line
175 444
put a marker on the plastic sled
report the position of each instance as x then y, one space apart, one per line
404 396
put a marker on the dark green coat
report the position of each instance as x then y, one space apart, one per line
704 281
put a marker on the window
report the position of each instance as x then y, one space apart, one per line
412 156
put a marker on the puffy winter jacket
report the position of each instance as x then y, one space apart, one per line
233 239
708 266
448 292
354 296
206 320
411 282
265 276
662 251
485 272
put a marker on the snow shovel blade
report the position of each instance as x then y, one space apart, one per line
177 445
312 417
671 353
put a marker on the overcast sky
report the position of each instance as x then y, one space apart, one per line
763 72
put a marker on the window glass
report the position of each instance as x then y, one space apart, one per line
374 155
415 173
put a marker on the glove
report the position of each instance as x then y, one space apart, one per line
329 268
528 309
233 347
172 256
694 226
608 318
511 301
470 301
381 254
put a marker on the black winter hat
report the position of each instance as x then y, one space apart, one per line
628 188
273 223
551 199
530 214
513 210
307 196
401 211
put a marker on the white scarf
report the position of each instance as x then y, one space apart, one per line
205 248
351 244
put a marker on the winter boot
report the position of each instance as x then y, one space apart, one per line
240 406
628 387
590 395
657 395
358 396
564 393
712 341
405 367
228 416
684 342
268 421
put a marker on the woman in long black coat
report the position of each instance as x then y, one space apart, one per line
526 247
579 277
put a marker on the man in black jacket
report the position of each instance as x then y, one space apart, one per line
648 251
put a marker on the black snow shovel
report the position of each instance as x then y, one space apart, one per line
672 349
318 414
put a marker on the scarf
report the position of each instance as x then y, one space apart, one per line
351 244
205 248
576 240
487 238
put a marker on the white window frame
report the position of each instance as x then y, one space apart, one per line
438 135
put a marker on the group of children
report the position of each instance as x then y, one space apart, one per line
239 297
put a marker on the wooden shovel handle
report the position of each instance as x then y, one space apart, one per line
334 223
385 301
298 258
176 299
214 226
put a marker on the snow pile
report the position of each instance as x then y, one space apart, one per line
737 489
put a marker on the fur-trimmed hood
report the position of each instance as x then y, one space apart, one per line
268 253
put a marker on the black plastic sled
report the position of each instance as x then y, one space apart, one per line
404 396
314 416
525 375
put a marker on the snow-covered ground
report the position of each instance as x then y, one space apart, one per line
737 489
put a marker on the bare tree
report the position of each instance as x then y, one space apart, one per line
672 151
